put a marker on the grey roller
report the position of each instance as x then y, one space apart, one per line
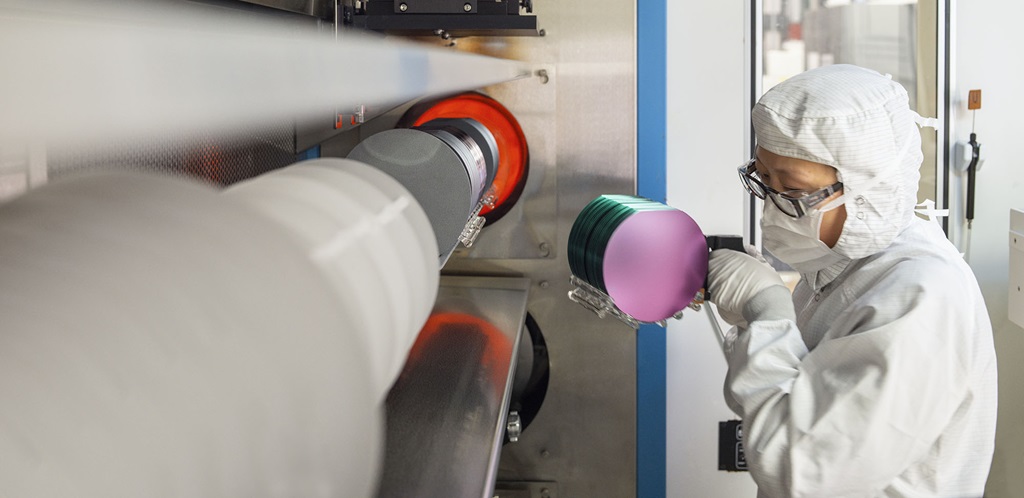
465 129
432 171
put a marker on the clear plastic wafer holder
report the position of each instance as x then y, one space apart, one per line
602 304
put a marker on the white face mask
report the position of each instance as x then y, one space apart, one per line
796 241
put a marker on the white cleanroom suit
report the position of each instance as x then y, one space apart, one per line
877 376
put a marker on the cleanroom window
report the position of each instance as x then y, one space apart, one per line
900 38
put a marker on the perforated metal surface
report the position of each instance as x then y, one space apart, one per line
217 158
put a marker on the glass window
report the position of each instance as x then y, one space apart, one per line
890 36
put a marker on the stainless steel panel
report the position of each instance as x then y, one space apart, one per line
526 489
584 437
215 157
529 229
446 412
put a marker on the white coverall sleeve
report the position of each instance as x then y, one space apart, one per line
850 416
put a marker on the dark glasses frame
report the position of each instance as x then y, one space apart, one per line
794 203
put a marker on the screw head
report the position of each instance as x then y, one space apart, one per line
467 7
403 7
544 284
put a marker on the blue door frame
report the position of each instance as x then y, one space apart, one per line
651 151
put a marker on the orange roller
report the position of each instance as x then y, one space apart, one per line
513 163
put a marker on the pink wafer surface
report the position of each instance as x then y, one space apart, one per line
655 263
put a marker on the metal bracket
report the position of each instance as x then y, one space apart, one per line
357 117
514 426
472 230
476 222
459 18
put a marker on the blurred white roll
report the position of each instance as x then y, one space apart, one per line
370 238
406 228
93 70
159 339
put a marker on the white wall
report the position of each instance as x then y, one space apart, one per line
707 119
708 113
988 39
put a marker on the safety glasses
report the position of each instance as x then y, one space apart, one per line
795 203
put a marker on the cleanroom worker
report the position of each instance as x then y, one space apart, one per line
877 375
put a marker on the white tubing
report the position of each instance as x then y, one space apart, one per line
88 71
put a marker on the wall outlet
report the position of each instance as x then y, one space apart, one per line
731 456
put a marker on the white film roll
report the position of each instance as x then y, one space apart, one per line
407 228
159 338
377 248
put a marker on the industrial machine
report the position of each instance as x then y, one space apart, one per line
505 387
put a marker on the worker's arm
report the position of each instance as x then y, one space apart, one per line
848 417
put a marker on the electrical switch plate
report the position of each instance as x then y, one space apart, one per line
731 456
1016 294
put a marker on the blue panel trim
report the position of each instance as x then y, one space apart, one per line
651 102
310 153
650 343
651 409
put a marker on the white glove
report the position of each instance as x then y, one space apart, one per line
734 278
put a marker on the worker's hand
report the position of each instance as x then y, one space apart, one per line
734 278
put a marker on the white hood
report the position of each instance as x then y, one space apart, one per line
859 122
